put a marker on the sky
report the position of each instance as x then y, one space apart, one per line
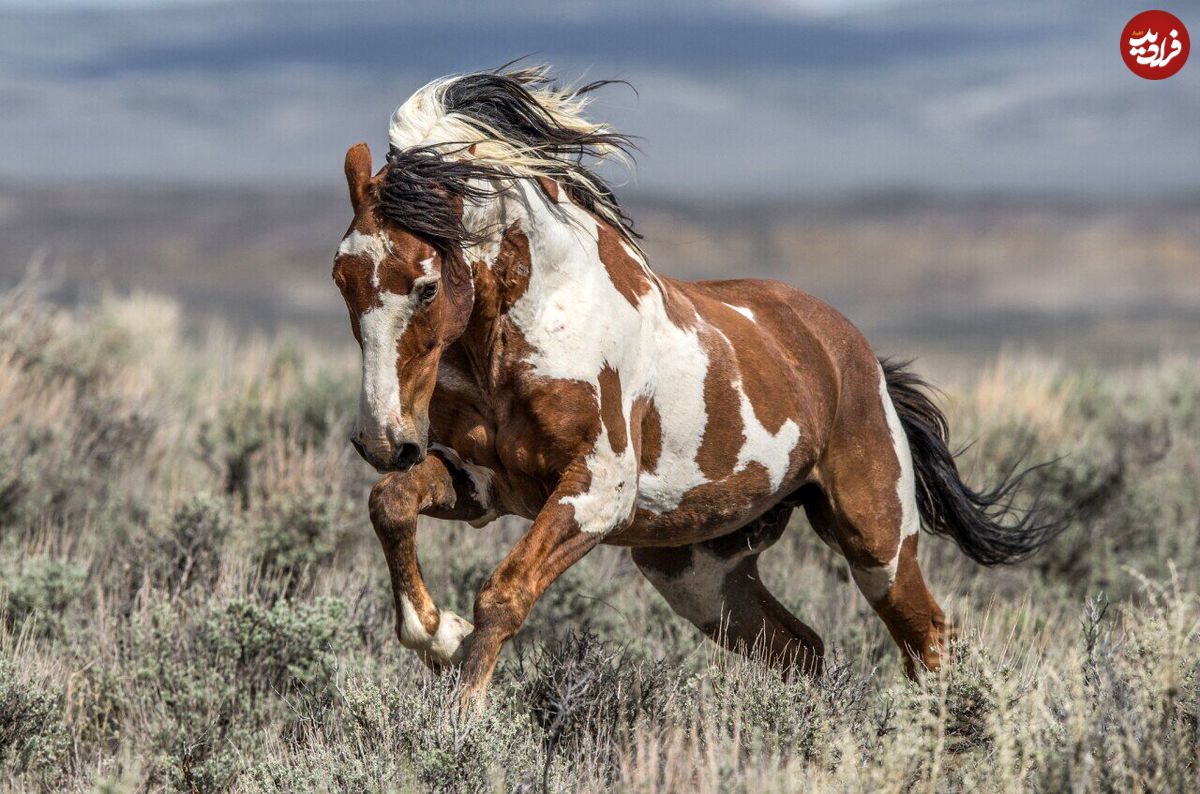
767 98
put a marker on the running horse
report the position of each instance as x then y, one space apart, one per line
519 357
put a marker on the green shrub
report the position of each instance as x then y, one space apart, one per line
297 533
188 553
322 407
288 647
41 591
33 738
585 694
446 748
230 441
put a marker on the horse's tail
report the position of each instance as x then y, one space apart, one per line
986 525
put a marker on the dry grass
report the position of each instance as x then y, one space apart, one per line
192 598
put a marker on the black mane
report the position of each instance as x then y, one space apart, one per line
423 190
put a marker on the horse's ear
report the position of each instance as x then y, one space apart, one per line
358 172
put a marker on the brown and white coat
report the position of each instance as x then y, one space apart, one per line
535 366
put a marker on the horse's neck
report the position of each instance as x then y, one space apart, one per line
544 248
564 240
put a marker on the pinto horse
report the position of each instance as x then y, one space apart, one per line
519 357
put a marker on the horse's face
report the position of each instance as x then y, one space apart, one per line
392 283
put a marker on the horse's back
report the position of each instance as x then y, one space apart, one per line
789 316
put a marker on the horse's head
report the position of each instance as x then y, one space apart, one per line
408 298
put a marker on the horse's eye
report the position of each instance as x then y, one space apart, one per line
427 292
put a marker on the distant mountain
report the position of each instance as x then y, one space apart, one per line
921 274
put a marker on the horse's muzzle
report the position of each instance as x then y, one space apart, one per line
407 455
404 457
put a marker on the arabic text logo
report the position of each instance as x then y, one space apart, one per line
1155 45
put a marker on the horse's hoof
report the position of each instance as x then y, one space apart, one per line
446 648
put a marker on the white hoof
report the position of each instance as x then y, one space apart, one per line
446 647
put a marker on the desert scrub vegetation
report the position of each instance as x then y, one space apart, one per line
191 598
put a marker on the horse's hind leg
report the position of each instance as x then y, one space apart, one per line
868 507
716 586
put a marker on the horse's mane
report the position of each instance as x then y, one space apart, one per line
495 126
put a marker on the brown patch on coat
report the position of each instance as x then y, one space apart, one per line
860 470
724 433
549 187
648 422
459 285
625 272
513 265
610 408
784 353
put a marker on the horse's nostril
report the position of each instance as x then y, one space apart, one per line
407 456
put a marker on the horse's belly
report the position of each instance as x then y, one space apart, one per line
704 511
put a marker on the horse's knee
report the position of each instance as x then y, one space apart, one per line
869 543
501 609
400 496
393 502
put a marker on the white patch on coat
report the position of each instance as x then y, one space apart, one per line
698 593
772 450
446 648
875 582
375 247
577 322
413 633
427 266
609 499
906 486
742 310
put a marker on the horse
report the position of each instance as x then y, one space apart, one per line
520 357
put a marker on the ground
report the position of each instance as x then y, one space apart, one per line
192 598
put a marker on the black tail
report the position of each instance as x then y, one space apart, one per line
985 524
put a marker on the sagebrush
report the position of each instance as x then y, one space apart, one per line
192 599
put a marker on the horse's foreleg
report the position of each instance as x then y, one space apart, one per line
431 488
554 543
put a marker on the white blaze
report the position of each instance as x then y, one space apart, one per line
381 327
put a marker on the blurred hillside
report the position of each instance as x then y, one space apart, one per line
941 276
